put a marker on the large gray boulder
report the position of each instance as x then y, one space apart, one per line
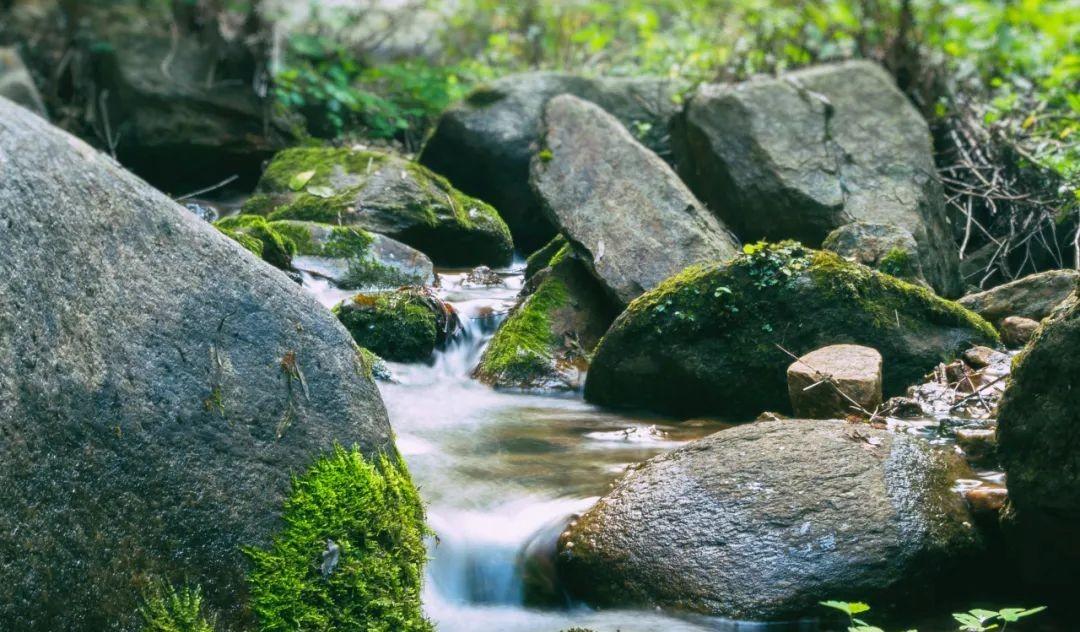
800 155
159 386
764 520
484 144
1034 296
621 206
1039 446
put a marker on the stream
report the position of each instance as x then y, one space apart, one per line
503 472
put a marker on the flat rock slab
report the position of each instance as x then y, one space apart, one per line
799 155
619 204
1034 296
159 387
765 520
829 383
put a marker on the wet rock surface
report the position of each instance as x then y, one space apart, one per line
800 155
159 386
848 512
484 144
621 207
834 382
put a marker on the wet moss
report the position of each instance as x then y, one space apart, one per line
541 259
371 512
398 326
898 263
251 244
524 349
714 339
277 249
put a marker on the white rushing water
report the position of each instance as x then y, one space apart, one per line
502 473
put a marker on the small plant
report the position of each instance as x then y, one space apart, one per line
975 620
167 609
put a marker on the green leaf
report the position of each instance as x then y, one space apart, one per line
321 191
301 179
846 607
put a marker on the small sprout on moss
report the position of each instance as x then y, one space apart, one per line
545 155
167 609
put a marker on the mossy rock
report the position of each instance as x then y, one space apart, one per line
540 259
545 342
1039 446
715 339
402 326
351 552
274 247
386 194
353 258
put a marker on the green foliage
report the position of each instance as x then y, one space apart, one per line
167 609
898 263
371 511
975 620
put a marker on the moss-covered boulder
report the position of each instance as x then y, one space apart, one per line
765 520
354 259
1039 445
545 342
258 236
403 326
386 194
715 339
541 259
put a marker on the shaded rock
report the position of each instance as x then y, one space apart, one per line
484 144
180 95
353 258
540 259
17 84
483 276
545 342
151 408
706 340
980 357
1039 446
402 326
978 444
1033 296
903 408
764 520
622 207
255 233
986 500
386 194
884 247
800 155
828 383
1016 331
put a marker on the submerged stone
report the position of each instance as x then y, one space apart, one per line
386 194
765 520
715 339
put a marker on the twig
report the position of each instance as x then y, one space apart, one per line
208 189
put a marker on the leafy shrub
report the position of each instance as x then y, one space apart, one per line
351 554
167 609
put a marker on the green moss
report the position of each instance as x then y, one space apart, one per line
312 208
167 609
251 244
326 162
373 514
398 325
524 347
714 338
898 263
277 249
545 155
541 259
258 204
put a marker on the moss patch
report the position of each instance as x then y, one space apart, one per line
708 340
275 248
541 259
168 609
898 263
386 194
398 326
371 512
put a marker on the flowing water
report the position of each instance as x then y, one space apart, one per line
502 473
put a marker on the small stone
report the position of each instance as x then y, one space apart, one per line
986 499
960 376
903 408
1016 331
980 357
978 444
819 381
483 276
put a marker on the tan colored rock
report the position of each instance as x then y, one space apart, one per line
1016 331
819 381
1034 296
986 499
979 357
